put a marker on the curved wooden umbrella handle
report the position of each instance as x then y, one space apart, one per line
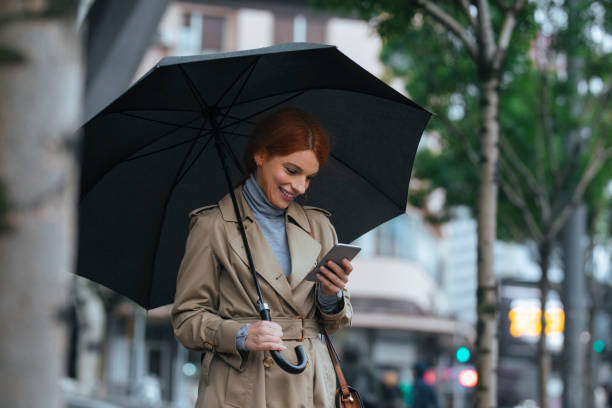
264 312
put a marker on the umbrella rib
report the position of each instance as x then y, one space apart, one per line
163 217
195 159
239 120
252 68
408 101
161 122
234 157
227 89
165 148
150 110
168 133
236 134
345 164
196 94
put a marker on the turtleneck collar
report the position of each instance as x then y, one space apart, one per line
257 199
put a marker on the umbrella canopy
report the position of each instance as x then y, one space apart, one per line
149 157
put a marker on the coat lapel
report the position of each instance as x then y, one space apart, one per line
303 247
266 264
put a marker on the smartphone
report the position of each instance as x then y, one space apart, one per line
336 254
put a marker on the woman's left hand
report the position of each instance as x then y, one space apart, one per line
334 277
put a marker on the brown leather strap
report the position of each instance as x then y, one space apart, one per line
332 355
330 345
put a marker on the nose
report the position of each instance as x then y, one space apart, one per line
300 185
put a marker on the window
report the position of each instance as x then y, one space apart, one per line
212 33
200 31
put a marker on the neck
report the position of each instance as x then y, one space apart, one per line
257 199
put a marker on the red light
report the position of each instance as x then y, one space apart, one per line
468 377
429 377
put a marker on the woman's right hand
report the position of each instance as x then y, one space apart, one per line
264 335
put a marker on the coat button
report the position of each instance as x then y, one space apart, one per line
268 362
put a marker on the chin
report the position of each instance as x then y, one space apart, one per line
282 204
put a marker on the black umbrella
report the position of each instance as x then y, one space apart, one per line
154 154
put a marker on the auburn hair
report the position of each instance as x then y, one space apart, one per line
287 131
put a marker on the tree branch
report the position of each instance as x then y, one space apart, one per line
604 101
465 6
514 231
465 142
597 121
506 34
451 25
485 32
546 119
532 183
561 178
595 163
518 200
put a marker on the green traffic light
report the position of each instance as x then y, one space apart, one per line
598 346
463 354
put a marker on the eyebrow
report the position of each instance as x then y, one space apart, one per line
300 169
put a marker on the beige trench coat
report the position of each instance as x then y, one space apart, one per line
215 296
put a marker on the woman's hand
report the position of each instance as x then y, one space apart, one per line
334 277
264 335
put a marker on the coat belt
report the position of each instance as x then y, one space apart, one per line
294 328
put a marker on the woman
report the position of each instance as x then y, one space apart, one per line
214 310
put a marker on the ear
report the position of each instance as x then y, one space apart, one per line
259 157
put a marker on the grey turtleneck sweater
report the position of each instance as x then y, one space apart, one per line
271 220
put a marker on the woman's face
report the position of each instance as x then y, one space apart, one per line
283 178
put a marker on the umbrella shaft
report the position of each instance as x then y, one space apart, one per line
262 307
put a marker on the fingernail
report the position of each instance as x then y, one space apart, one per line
284 348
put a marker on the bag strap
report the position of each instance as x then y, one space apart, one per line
330 346
334 358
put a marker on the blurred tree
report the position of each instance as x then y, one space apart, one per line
440 48
40 78
542 182
537 116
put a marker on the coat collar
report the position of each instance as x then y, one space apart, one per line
303 248
294 212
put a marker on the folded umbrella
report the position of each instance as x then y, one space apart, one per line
155 153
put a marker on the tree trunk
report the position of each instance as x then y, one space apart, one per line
40 78
572 235
487 343
591 363
543 356
573 304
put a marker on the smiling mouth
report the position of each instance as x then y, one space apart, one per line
286 195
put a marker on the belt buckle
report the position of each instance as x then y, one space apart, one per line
303 329
211 344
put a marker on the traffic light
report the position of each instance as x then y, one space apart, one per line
599 346
463 354
468 377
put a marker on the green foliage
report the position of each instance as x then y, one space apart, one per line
540 107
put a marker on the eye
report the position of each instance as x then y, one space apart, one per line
290 170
